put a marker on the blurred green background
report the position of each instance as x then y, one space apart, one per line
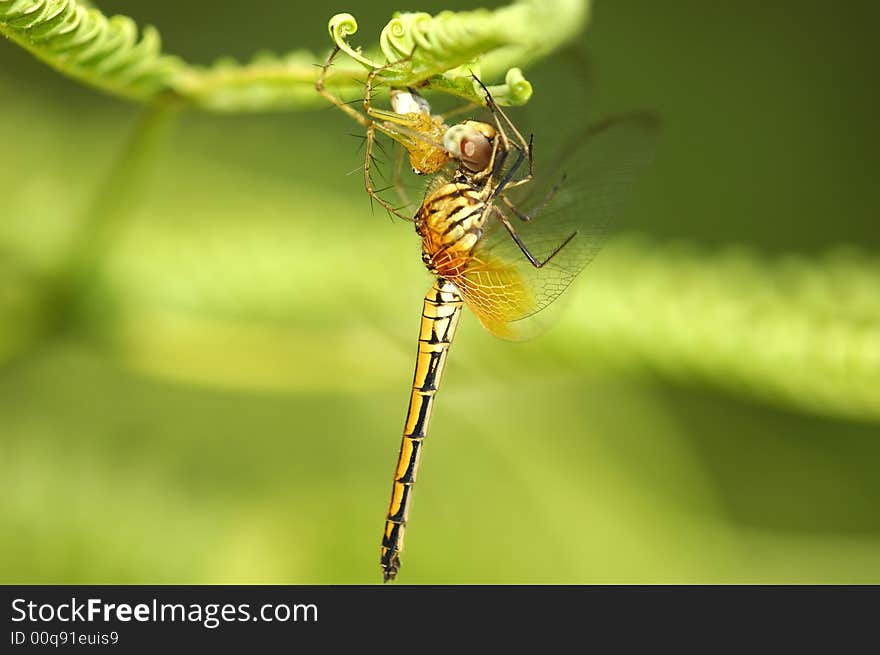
223 401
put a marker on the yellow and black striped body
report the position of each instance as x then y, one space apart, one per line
440 315
451 222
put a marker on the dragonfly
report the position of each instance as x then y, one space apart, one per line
499 234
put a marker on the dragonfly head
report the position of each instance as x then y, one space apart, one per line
470 143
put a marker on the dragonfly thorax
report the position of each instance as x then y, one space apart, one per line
451 223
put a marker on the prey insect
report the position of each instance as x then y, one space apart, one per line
500 235
410 123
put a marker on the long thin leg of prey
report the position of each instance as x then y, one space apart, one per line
440 316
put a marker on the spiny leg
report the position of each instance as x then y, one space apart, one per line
370 126
368 182
532 259
396 180
321 88
396 177
351 111
407 134
383 114
415 128
371 83
363 120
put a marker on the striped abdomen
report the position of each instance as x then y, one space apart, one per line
440 315
450 223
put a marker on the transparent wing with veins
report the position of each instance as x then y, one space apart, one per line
580 190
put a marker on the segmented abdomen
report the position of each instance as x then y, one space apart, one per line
440 314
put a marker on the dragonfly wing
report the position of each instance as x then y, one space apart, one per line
495 292
579 191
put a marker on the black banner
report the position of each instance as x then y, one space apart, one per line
145 618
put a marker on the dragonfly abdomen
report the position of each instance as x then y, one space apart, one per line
440 313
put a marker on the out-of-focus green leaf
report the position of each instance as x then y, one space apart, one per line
83 43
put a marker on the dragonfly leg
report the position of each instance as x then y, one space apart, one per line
505 181
496 164
531 174
522 145
532 259
493 167
537 210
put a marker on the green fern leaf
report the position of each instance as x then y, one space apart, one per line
110 54
83 43
445 51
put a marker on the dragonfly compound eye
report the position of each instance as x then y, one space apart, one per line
468 146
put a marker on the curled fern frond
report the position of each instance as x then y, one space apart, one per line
446 49
443 52
86 45
440 52
342 26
